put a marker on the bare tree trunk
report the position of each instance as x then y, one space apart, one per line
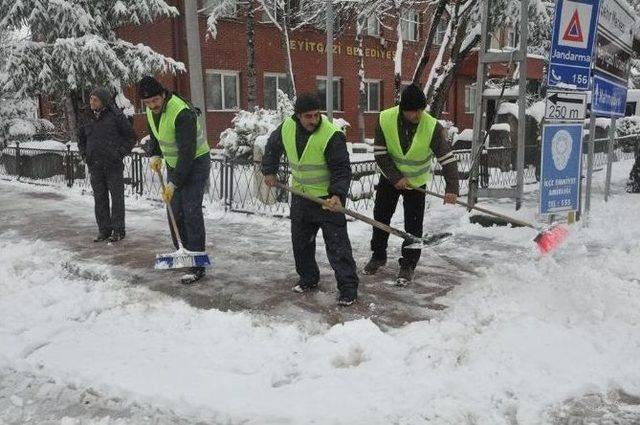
251 57
397 60
426 50
72 112
284 41
440 91
362 98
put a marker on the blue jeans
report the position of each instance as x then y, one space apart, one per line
187 205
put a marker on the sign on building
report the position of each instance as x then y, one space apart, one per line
565 106
560 172
572 43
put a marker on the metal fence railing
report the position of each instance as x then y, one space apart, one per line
237 185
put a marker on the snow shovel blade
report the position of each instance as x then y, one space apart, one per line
182 259
428 241
551 238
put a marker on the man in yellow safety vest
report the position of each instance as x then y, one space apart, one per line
406 141
177 137
317 154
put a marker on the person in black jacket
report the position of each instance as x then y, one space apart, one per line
105 138
322 149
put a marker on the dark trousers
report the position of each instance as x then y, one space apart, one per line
634 175
306 219
187 205
384 207
108 180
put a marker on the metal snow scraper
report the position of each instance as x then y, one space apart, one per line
547 239
182 258
416 242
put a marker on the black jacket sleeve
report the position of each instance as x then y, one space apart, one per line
382 157
441 148
186 140
82 140
125 129
339 164
273 152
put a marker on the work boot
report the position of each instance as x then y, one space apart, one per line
194 275
102 237
373 265
347 298
405 275
302 287
117 235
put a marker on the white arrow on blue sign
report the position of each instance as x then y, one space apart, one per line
574 31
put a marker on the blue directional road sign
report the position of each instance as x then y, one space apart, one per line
574 31
560 173
609 98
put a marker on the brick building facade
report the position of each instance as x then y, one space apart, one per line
224 62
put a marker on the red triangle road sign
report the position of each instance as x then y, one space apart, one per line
574 29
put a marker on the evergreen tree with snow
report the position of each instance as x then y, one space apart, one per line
18 116
74 47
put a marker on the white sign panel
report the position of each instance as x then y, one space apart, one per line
565 106
617 20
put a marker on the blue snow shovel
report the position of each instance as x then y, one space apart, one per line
182 258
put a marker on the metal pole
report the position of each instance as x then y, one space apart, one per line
591 146
522 100
612 137
329 46
195 60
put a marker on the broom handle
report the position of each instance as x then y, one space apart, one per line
172 219
357 216
481 209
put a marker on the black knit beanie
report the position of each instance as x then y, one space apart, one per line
103 94
307 102
412 98
149 87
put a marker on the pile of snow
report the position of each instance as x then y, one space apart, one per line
251 129
536 110
501 127
518 338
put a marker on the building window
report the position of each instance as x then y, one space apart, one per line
273 83
373 26
409 25
441 30
230 7
222 90
470 98
372 90
321 86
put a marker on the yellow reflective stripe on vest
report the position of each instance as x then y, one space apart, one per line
415 164
309 172
165 132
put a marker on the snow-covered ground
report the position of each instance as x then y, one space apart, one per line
518 339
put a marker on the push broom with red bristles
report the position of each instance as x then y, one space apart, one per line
547 239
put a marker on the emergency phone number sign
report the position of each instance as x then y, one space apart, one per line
574 31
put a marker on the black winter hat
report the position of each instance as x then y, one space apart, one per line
307 102
103 94
149 87
412 98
